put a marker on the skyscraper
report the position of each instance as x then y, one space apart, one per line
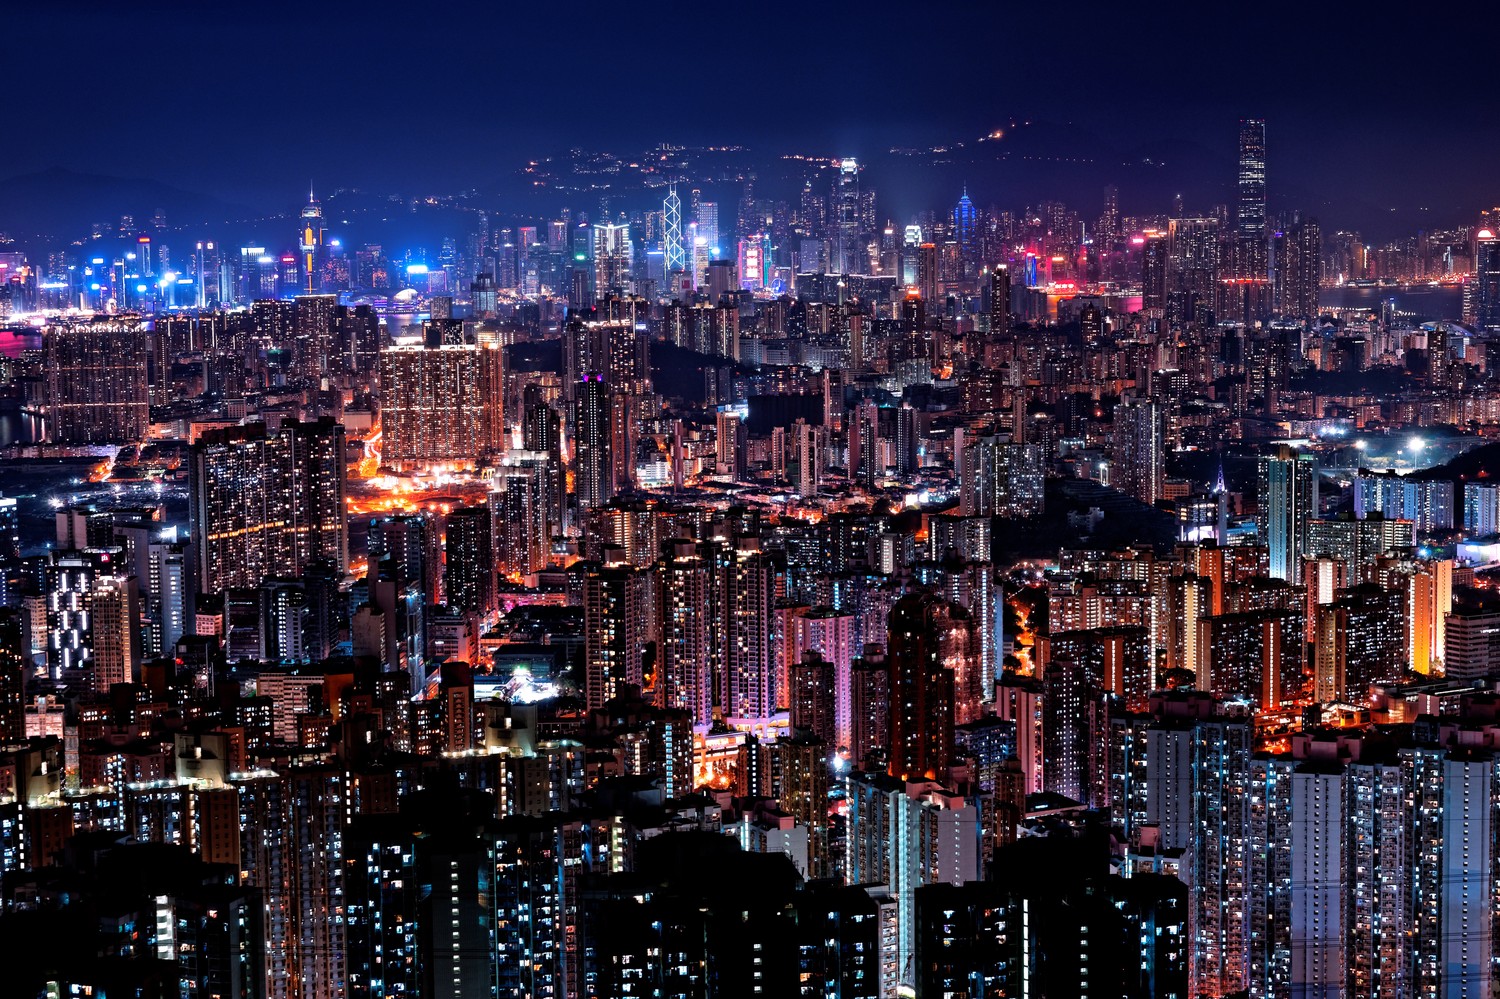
1288 500
440 405
1000 300
95 388
1139 464
619 607
1485 293
672 249
266 504
1250 213
1154 274
612 259
469 566
846 219
931 661
310 242
594 468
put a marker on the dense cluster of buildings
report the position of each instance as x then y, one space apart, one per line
790 604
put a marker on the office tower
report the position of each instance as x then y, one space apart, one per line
925 298
846 220
931 662
592 443
721 282
1154 266
672 248
310 242
469 562
265 504
1250 212
1244 287
1288 498
441 405
685 676
748 684
522 518
1139 465
95 389
612 259
618 612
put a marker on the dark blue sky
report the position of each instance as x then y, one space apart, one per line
247 101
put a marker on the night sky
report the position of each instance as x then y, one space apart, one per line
1374 121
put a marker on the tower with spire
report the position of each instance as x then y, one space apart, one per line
310 242
966 231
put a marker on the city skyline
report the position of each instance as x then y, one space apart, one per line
1022 518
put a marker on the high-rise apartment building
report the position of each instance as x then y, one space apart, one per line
267 503
441 405
94 387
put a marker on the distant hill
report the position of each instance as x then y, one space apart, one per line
56 206
1480 464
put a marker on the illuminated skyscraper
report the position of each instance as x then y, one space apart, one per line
265 504
619 605
1250 214
469 565
689 656
1288 499
95 390
1139 465
1154 274
594 471
1485 294
440 405
672 248
612 259
1000 300
966 231
846 220
932 658
310 242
